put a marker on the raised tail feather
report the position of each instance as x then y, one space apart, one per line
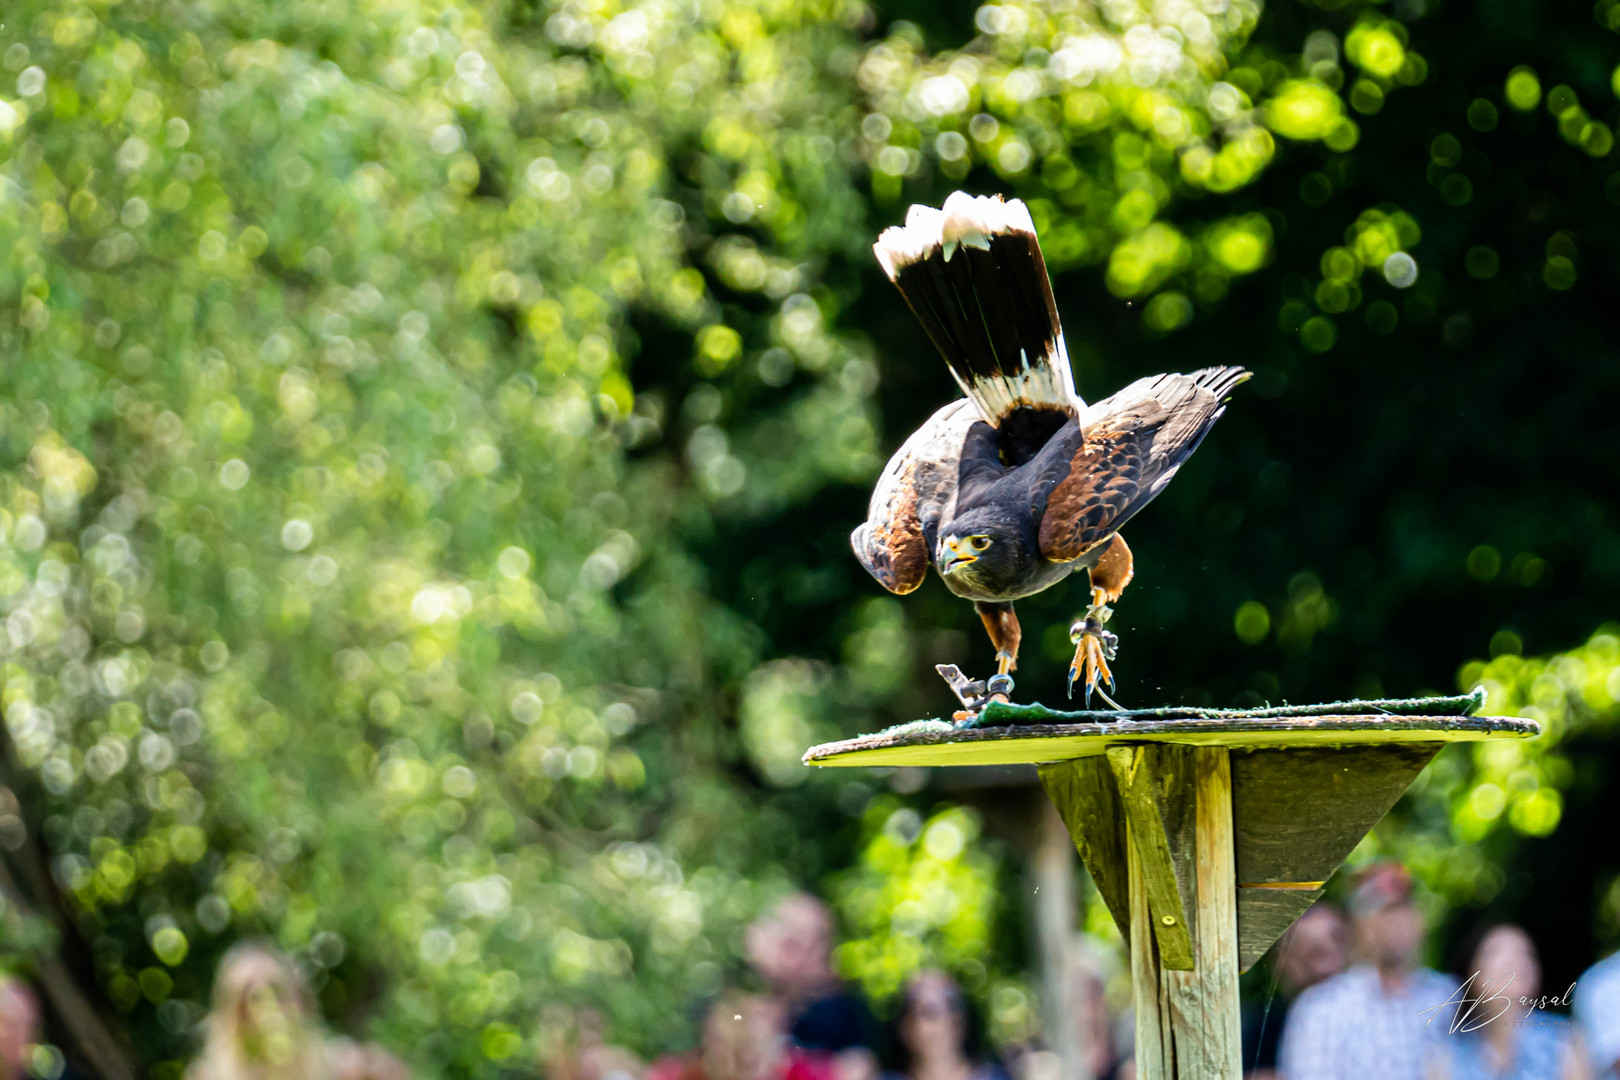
974 275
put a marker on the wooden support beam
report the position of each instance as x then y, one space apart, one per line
1263 914
1085 796
1155 1051
1151 817
1187 1020
1299 812
1204 1002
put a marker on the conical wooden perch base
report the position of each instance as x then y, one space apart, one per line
1207 834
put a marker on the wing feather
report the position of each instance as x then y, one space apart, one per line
1131 446
916 490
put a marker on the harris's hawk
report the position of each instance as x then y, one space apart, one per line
1013 488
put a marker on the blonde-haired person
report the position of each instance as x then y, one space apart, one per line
262 1025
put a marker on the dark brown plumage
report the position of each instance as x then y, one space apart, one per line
1009 491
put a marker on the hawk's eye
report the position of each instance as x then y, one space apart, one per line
978 543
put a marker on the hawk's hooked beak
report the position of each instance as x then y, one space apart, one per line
956 554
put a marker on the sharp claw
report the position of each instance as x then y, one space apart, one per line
1094 648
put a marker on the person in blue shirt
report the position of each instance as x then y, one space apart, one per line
1597 1010
1503 1034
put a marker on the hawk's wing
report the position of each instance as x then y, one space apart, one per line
1129 447
911 497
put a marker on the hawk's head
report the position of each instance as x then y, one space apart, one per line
984 551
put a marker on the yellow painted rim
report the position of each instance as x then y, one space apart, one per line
1026 744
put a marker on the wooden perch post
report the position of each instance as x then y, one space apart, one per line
1182 907
1206 837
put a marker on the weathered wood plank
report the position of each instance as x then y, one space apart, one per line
1262 917
1204 1003
1134 773
1085 796
1300 812
1171 770
1154 1054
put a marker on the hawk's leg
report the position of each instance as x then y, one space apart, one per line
1002 625
1095 646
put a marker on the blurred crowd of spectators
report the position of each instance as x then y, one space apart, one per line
1353 1001
808 1024
1349 1000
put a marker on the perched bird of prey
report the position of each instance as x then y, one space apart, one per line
1010 490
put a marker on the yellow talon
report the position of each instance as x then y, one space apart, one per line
1094 647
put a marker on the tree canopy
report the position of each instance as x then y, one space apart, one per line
429 434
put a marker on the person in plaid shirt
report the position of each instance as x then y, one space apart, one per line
1386 1017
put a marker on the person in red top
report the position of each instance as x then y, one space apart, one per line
790 947
745 1038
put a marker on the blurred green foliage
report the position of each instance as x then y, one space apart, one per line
428 434
1471 824
919 892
